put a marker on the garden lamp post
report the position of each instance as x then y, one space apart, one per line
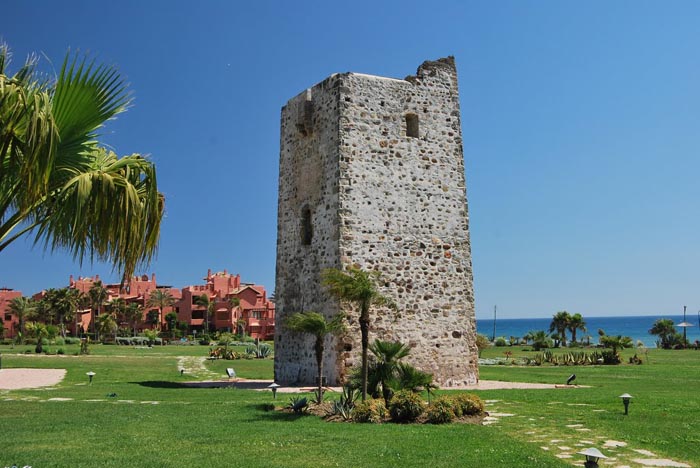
273 386
592 456
90 375
626 397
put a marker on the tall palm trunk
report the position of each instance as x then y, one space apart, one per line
364 329
319 361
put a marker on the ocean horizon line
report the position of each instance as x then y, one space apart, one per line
690 315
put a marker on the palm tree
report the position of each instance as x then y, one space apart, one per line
318 326
22 308
39 331
666 332
357 287
107 324
133 315
208 304
62 305
118 308
57 182
233 302
540 340
387 354
160 298
576 322
560 323
98 295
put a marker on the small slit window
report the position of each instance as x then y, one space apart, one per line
306 227
412 125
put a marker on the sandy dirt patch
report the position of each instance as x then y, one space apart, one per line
16 379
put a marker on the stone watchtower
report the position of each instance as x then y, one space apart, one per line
372 175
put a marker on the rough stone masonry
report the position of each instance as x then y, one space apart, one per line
372 175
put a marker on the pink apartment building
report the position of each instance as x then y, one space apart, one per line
9 320
252 311
255 312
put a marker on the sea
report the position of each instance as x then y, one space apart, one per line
635 327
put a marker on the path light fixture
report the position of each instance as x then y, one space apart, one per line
90 375
626 397
571 378
273 386
182 371
592 456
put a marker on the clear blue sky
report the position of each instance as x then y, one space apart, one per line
580 122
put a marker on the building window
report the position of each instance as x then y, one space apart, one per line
412 125
306 227
8 317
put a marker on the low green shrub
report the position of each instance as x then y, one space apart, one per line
60 351
441 411
369 411
406 406
59 342
500 341
467 404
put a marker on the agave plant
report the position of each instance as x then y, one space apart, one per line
298 404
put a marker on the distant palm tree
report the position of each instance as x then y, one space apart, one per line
22 308
576 322
318 326
118 308
209 305
387 354
666 332
107 324
357 287
540 339
62 305
560 323
233 302
133 315
98 295
39 331
160 298
528 336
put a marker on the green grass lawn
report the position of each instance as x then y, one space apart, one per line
154 422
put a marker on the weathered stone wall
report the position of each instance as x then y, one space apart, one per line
308 185
384 201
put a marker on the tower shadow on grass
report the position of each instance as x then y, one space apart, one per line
160 384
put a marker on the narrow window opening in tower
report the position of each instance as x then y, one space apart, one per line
306 228
412 125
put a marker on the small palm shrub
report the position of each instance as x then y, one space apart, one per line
467 404
369 411
441 411
611 357
406 406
